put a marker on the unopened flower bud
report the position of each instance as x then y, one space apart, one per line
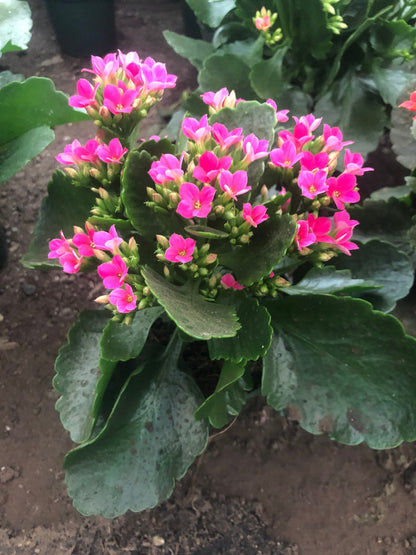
264 193
73 174
105 114
146 291
325 256
142 304
95 173
163 242
160 257
78 229
204 249
132 244
245 239
212 282
103 299
166 271
174 199
158 199
219 210
101 255
211 258
193 267
325 201
316 204
103 193
203 272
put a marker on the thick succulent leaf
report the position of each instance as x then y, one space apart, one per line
65 206
15 25
194 50
150 440
228 398
190 311
343 369
402 138
266 77
211 12
121 342
266 248
226 70
384 265
252 339
355 109
17 153
390 83
386 193
249 51
7 77
33 103
329 280
388 221
78 372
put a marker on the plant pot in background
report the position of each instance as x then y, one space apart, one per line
83 27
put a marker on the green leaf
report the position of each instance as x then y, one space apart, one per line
267 247
190 311
150 440
33 103
354 108
226 70
329 280
17 153
253 338
228 398
15 25
211 12
121 342
65 206
7 77
386 193
342 369
206 231
266 77
78 372
401 135
382 263
194 50
249 51
390 83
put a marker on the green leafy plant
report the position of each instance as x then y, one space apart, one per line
214 255
344 58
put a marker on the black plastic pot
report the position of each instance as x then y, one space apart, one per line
83 27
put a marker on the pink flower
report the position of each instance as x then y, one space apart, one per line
281 115
195 203
234 184
104 68
342 189
111 153
210 166
312 184
320 227
262 23
298 141
118 99
333 139
113 273
59 247
70 262
224 137
354 162
254 215
342 232
228 282
304 236
285 156
196 130
312 162
123 299
107 241
85 242
410 104
85 96
219 99
168 168
180 249
155 76
254 148
310 123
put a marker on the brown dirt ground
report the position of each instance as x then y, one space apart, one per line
263 487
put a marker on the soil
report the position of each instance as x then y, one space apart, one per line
264 486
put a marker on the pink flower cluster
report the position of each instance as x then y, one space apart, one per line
71 254
92 153
123 83
336 231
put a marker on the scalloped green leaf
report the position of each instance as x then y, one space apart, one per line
150 440
228 398
383 264
342 369
78 372
65 206
190 311
121 342
211 12
252 340
33 103
206 231
266 248
330 280
15 154
266 77
15 25
194 50
226 70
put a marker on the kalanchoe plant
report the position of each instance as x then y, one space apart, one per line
344 58
214 247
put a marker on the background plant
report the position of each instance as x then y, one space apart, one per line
344 58
215 246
